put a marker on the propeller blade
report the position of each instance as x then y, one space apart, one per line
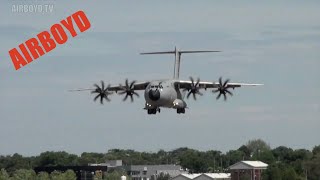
127 84
225 97
131 98
194 96
215 91
189 94
106 97
96 85
199 93
102 85
125 97
191 79
136 94
132 84
198 81
220 81
122 92
227 91
96 97
226 82
101 99
218 96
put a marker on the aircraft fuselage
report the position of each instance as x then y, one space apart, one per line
163 93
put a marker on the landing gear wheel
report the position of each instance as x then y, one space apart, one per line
181 110
153 111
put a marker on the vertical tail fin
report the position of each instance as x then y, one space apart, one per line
177 53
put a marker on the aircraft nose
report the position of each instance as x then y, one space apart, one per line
154 94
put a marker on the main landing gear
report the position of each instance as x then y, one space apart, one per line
153 111
181 110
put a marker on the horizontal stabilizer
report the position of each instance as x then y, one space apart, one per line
173 52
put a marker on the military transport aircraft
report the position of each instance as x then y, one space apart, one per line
168 93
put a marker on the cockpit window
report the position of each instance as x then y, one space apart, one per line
156 86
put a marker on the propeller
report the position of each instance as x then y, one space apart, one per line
223 89
128 90
101 92
194 89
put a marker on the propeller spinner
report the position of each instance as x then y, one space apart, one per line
128 89
101 92
194 89
223 89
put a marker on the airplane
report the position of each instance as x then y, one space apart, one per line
167 93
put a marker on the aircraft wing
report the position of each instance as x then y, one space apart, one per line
136 86
116 88
204 85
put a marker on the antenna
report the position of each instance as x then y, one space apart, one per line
177 53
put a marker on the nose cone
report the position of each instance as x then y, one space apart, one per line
154 95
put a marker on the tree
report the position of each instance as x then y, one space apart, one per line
272 173
312 167
114 175
69 175
246 151
316 150
56 175
4 175
289 174
235 156
257 145
283 153
57 159
163 176
24 174
43 176
264 156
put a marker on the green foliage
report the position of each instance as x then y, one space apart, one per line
43 176
284 162
23 174
114 175
4 175
289 174
316 150
56 159
312 166
68 175
257 145
272 173
163 176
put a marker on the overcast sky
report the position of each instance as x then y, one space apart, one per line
273 42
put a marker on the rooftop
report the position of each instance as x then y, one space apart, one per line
249 165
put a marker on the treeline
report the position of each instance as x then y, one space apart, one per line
284 163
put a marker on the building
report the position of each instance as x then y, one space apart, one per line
247 170
150 172
109 163
185 176
214 176
204 176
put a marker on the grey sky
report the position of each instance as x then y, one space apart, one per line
273 42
